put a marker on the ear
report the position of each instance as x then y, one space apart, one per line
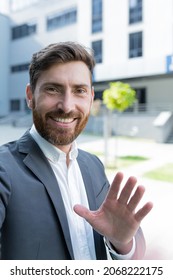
93 94
29 96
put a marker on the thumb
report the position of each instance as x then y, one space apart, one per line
82 211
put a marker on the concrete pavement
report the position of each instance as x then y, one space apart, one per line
158 225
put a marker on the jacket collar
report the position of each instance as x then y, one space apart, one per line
39 165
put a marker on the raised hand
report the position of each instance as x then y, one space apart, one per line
117 218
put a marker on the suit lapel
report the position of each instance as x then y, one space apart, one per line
39 165
88 182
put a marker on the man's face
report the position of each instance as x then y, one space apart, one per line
61 102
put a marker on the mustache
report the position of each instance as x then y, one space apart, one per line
61 114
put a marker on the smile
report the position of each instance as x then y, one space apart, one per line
66 120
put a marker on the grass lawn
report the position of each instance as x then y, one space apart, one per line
122 162
119 162
125 161
164 173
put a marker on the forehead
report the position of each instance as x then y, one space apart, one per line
71 72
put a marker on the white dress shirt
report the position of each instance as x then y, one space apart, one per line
73 192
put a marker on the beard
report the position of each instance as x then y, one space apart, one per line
59 136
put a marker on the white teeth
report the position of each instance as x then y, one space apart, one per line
63 120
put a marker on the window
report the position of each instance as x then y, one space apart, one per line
62 19
135 44
98 95
142 99
20 68
135 11
15 105
23 30
96 16
97 48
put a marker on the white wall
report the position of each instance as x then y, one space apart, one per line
4 62
157 27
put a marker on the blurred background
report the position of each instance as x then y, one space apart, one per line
132 42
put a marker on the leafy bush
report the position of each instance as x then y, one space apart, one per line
119 96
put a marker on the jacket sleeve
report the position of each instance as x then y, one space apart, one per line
140 246
136 253
5 192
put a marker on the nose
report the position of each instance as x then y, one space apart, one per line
66 102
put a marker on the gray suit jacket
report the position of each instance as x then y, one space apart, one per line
33 221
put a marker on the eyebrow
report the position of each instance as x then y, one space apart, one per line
62 85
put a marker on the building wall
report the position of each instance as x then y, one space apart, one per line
4 62
157 28
159 92
31 44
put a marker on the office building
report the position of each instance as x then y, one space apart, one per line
132 41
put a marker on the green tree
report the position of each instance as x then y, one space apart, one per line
119 96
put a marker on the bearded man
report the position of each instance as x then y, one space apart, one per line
55 199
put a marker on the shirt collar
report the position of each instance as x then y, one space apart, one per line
51 152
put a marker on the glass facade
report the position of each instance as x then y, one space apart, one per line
97 48
135 11
15 105
135 45
97 16
62 19
23 30
20 67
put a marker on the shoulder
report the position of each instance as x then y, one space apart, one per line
5 149
12 149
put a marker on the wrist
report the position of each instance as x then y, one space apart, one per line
121 248
114 255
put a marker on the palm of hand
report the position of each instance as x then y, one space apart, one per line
117 218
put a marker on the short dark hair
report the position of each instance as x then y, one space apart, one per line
62 52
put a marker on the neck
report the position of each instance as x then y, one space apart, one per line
66 148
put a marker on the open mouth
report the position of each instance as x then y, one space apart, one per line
64 120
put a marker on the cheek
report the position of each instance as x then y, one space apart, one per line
44 105
85 109
90 104
86 105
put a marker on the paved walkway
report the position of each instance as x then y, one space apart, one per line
158 225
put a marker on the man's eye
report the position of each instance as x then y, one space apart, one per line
80 91
51 90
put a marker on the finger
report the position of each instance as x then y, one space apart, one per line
115 186
127 190
82 211
143 211
135 199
